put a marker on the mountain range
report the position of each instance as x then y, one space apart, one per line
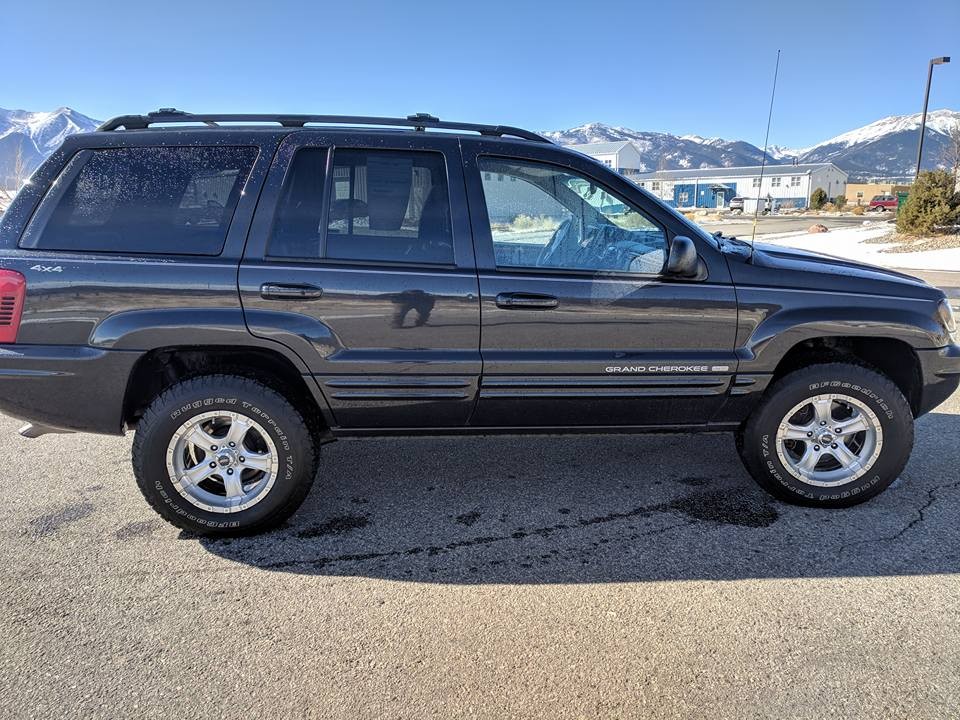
27 138
883 149
886 148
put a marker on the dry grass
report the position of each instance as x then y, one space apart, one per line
910 243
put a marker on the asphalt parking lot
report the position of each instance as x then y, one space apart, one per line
598 576
742 225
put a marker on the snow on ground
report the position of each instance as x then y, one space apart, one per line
849 243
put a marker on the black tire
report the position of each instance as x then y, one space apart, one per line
757 442
289 432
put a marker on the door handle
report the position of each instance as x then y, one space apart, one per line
526 301
275 291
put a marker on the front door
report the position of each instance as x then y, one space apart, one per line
580 326
360 259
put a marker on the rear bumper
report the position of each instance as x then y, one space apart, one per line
67 387
941 375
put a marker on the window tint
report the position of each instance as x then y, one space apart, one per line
553 218
146 200
385 206
298 222
389 206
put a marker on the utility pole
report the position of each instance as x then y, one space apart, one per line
926 100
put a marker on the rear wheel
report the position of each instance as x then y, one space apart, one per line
829 435
223 455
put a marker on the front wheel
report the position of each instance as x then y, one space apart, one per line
830 435
223 455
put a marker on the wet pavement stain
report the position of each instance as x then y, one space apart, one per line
695 481
469 518
726 509
340 525
52 522
711 507
136 529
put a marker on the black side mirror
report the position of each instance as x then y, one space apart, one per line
682 259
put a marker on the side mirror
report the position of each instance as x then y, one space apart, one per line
682 260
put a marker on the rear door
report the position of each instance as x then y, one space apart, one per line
360 259
579 325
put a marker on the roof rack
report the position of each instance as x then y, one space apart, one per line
419 121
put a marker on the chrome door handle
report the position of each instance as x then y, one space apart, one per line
526 301
275 291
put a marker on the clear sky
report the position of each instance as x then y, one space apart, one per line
691 66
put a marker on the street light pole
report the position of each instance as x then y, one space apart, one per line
926 100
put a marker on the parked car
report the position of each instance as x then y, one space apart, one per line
240 295
882 203
736 204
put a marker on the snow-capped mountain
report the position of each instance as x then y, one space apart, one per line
27 138
663 151
888 147
883 149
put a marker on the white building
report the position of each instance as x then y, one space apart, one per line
622 156
785 186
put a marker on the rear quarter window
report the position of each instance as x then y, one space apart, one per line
143 200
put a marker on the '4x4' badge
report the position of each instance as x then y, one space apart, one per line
47 268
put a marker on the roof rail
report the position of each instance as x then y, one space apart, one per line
419 121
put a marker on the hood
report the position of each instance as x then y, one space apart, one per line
773 265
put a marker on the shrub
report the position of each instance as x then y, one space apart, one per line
829 207
523 223
818 198
933 205
840 201
858 210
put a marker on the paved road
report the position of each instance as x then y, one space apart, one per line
741 226
606 576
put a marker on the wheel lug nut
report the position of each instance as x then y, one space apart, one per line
233 444
242 458
823 422
213 447
809 434
834 446
816 447
213 464
839 430
230 471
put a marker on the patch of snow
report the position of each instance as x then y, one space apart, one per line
848 243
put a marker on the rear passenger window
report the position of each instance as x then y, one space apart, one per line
384 206
145 200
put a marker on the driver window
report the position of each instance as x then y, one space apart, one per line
545 216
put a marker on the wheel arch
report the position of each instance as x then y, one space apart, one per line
160 368
896 359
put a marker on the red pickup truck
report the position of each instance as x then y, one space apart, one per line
882 203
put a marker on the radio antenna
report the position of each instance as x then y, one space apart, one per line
763 161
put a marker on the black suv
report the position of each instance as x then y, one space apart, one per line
242 289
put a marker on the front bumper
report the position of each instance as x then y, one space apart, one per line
67 387
940 370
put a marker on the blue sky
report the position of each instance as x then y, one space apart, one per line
684 67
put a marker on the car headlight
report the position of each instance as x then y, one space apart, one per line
946 317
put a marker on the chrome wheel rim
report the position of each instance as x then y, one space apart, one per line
222 462
829 440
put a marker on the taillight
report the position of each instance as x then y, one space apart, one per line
13 289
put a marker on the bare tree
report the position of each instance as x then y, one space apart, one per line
950 155
12 184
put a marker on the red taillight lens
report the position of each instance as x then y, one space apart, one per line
13 288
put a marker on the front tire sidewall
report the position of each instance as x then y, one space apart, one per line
286 430
881 396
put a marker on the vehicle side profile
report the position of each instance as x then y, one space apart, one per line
882 203
240 290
